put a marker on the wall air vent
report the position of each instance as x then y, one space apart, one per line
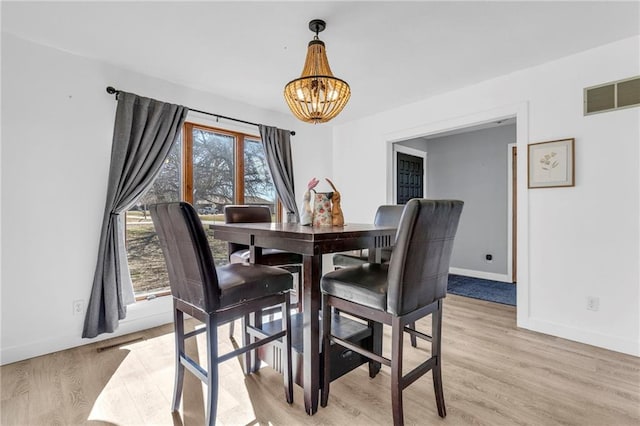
612 96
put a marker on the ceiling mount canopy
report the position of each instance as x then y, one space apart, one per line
317 96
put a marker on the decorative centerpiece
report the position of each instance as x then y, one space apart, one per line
326 209
337 218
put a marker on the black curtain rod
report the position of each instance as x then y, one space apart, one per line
113 91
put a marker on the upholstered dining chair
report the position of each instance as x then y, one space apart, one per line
386 215
412 286
239 253
215 296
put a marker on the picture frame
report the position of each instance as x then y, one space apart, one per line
551 164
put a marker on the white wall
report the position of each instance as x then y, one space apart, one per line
573 242
472 166
57 123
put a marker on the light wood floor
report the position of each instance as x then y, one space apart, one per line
493 373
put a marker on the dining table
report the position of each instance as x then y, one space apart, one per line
312 243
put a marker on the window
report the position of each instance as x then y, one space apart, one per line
209 168
258 186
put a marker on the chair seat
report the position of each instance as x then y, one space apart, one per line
345 260
271 257
358 257
365 284
239 282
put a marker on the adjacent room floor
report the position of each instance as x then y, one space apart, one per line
478 288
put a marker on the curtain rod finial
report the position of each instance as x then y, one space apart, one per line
111 90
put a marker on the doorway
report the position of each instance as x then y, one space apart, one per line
519 112
474 164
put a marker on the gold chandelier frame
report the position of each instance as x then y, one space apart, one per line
317 96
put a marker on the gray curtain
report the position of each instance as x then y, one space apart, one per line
277 147
144 131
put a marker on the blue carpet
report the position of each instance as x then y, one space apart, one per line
477 288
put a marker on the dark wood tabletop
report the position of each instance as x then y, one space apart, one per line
312 243
305 240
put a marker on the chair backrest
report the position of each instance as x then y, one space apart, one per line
245 214
192 273
388 215
419 267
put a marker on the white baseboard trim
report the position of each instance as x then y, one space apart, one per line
613 343
140 316
480 274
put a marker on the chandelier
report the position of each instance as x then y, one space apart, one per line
317 96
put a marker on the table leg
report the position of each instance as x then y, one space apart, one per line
311 333
376 330
375 255
252 362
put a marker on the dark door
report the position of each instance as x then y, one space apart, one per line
409 173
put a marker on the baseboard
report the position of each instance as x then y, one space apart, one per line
605 341
141 316
480 274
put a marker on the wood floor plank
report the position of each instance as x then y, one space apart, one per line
493 374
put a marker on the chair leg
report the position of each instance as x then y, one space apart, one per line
212 375
256 321
231 329
178 320
397 335
288 370
297 269
326 351
414 339
252 364
299 290
436 352
246 339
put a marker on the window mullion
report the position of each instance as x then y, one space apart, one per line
187 164
239 195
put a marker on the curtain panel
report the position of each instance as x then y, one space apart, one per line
144 132
277 147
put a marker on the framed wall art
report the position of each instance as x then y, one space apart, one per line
551 164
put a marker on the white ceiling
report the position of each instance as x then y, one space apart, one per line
391 53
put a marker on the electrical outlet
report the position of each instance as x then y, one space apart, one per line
78 307
593 303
